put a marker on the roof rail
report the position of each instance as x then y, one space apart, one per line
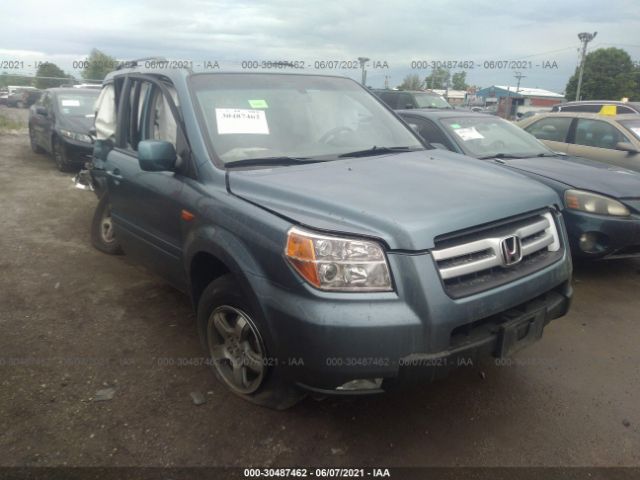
135 63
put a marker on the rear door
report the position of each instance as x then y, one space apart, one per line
597 139
146 207
553 131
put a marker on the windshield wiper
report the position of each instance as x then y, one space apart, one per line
500 155
378 151
274 161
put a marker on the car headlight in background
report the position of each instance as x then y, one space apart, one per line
594 203
79 137
339 264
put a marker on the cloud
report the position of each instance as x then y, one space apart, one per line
397 32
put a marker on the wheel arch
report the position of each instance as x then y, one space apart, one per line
208 257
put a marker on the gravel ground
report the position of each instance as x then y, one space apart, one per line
75 322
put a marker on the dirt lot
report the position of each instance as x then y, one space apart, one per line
74 321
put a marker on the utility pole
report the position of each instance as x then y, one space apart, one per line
386 82
519 77
363 61
584 38
446 87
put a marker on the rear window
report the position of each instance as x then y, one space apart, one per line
592 108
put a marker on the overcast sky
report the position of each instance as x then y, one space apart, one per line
396 32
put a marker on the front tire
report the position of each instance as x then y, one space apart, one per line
60 156
34 145
231 335
102 235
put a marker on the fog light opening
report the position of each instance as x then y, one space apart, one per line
361 384
593 242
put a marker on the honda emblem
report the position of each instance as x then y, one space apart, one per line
511 249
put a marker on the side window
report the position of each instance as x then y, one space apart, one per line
162 125
430 131
620 109
592 108
405 100
390 99
550 128
149 115
596 133
138 99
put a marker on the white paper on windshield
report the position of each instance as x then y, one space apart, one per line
241 120
71 103
468 133
636 130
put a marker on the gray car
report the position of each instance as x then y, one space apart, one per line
325 248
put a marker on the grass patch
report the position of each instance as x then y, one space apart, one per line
10 124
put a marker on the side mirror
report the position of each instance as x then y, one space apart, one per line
41 111
156 156
626 147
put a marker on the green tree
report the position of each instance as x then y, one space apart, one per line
411 82
609 74
98 64
438 78
458 81
48 69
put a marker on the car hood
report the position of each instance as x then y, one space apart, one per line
75 123
404 199
582 173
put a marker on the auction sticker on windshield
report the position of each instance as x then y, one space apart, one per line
71 103
468 133
241 121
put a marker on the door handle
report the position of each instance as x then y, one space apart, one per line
115 173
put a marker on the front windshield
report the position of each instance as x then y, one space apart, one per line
492 136
254 116
426 100
78 104
633 126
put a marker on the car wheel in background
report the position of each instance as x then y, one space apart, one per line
231 334
59 152
102 235
32 140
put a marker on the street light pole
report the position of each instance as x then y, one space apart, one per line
584 38
363 61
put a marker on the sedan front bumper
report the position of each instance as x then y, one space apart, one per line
603 237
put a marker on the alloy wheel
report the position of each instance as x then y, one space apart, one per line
236 349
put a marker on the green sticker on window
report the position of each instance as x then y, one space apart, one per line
258 104
455 125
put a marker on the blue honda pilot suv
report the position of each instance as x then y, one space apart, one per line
325 247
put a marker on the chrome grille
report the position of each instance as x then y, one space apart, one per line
467 263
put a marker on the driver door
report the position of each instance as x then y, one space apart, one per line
146 207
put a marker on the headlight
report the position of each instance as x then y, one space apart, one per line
80 137
334 263
594 203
